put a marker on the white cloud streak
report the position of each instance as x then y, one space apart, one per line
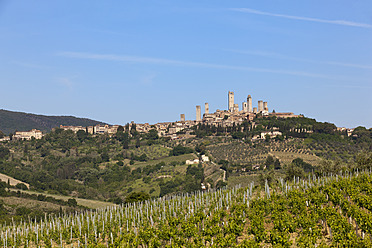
30 65
285 57
66 82
161 61
301 18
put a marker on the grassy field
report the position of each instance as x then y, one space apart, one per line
243 180
139 185
94 204
43 206
287 157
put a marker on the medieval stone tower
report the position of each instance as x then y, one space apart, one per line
231 101
249 102
198 113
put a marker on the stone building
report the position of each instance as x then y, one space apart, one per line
37 134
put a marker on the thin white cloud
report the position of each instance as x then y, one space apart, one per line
30 65
160 61
148 80
66 82
285 57
348 65
302 18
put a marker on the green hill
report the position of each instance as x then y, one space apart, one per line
11 121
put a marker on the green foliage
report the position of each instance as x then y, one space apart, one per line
146 179
81 135
179 150
72 202
237 135
152 135
299 162
105 157
21 186
293 170
364 160
136 197
220 184
333 212
269 162
4 152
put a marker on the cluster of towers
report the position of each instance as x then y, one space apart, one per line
246 106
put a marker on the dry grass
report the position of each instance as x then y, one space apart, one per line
94 204
30 203
12 181
287 157
166 160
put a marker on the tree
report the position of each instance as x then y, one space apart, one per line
364 160
81 135
4 152
72 202
124 138
293 170
299 162
137 196
237 135
105 157
1 134
277 164
269 162
152 134
179 150
224 164
200 148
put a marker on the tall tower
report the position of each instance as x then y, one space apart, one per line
236 108
245 107
198 113
260 106
206 106
249 101
255 110
231 101
265 106
183 117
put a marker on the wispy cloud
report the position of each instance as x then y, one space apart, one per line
66 82
302 18
285 57
30 65
161 61
148 80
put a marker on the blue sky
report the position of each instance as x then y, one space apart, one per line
150 61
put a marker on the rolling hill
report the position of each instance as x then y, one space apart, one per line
11 121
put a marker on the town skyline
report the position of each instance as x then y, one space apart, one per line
150 62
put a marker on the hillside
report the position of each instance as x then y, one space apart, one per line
332 211
11 121
292 186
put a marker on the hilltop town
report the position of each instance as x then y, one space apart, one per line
222 118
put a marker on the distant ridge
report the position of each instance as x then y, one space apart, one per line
11 121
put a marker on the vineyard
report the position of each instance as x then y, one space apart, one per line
317 212
238 152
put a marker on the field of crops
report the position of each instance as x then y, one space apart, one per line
317 212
